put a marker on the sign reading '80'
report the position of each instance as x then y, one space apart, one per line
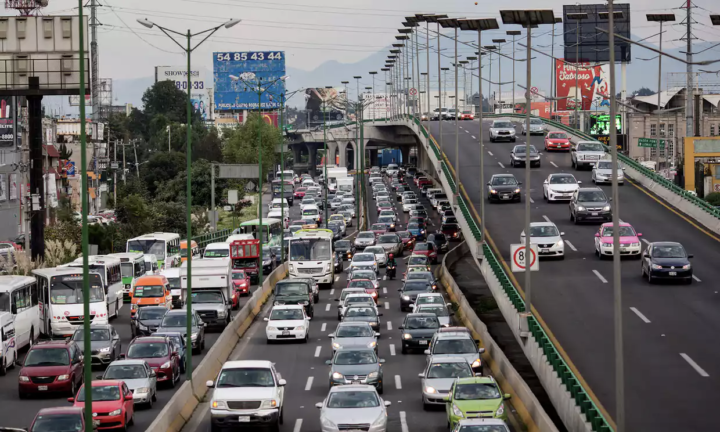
240 76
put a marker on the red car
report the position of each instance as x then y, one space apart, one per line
112 404
557 141
51 367
422 181
241 283
427 249
60 419
300 192
365 284
467 115
384 205
407 239
451 230
159 353
379 229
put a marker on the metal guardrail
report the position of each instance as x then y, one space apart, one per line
217 236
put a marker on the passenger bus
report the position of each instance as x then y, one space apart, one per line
165 247
61 296
19 296
132 266
271 229
311 255
109 269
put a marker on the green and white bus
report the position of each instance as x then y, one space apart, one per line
132 266
271 230
165 247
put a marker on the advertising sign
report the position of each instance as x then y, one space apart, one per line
202 103
380 106
238 75
271 118
314 98
3 187
593 46
178 74
7 122
590 79
621 141
13 186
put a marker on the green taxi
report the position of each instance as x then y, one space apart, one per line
475 397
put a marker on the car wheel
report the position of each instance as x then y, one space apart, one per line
73 387
149 404
403 350
642 271
380 389
650 278
426 407
572 218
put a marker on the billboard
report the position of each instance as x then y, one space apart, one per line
593 44
201 101
590 80
178 74
334 111
7 121
379 108
238 75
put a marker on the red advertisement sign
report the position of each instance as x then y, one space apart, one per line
271 117
589 81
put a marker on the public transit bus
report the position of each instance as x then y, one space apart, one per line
271 230
19 296
165 247
109 269
311 255
61 295
132 266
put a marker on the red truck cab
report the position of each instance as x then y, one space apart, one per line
245 255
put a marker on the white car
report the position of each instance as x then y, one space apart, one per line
440 310
388 213
353 404
287 322
602 172
548 239
409 204
408 196
365 261
429 298
380 255
560 186
277 213
382 196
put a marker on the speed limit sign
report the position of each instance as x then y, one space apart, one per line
519 257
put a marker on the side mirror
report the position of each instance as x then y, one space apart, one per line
610 199
421 375
129 397
639 234
153 374
71 399
337 299
331 335
401 327
388 403
377 334
209 384
380 314
481 350
562 233
328 362
579 182
282 383
690 256
519 183
318 405
98 377
597 234
426 352
204 324
381 361
266 319
507 396
546 182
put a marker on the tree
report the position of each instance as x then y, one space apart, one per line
164 98
161 167
208 147
643 91
713 198
243 143
175 190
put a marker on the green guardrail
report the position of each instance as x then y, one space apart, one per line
217 236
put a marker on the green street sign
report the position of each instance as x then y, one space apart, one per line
650 142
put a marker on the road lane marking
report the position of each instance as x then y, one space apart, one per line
298 425
690 361
332 291
472 136
387 305
532 201
403 422
553 164
501 165
308 385
317 350
490 153
337 278
547 219
327 307
389 325
324 326
398 383
696 279
392 349
570 245
646 242
597 273
467 131
640 315
385 288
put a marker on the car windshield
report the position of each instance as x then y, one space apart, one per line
151 313
148 350
95 335
417 260
413 226
152 247
417 285
361 312
123 372
354 331
366 235
207 297
291 289
450 370
403 234
47 357
388 239
216 253
378 227
421 322
606 165
422 247
521 149
365 284
429 299
313 249
625 231
454 346
246 377
386 219
174 320
536 121
144 291
544 231
238 275
364 258
669 251
286 314
353 399
355 357
498 125
375 250
440 311
557 135
440 237
590 147
100 393
476 391
562 179
69 289
419 276
363 274
58 423
592 196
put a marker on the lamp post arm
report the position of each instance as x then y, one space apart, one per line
212 32
167 33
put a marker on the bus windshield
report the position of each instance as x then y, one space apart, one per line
154 247
310 249
69 289
126 269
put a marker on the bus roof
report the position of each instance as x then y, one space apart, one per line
151 280
127 256
95 259
183 244
314 233
157 236
57 271
265 221
8 282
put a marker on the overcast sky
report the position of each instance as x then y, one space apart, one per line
309 31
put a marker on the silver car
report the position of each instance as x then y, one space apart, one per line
536 126
439 376
391 243
364 261
602 172
138 376
502 129
365 239
380 255
456 344
353 334
440 310
353 407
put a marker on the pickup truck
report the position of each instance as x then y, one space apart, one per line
587 154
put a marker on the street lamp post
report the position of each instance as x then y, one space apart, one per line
283 98
386 97
490 49
472 66
453 23
188 49
326 150
374 111
661 18
499 43
357 152
514 33
347 97
577 17
552 65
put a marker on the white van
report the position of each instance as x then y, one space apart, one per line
217 250
311 211
8 354
173 277
151 264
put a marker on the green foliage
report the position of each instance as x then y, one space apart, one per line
713 198
64 230
65 153
175 190
243 143
166 99
161 167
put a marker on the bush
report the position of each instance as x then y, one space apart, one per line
713 198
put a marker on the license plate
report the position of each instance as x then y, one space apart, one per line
285 332
356 382
672 273
423 342
42 388
244 419
505 197
593 214
544 250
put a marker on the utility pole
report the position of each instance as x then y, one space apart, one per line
95 65
123 175
689 85
137 165
114 173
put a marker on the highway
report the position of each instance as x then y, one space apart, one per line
672 363
303 365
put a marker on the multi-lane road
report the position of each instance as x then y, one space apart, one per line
672 360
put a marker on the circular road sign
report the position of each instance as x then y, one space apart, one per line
413 91
519 257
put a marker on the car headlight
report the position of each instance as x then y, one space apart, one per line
606 208
337 376
305 303
300 328
327 423
165 365
656 267
476 364
219 405
142 390
580 208
560 243
517 190
105 350
406 297
686 267
372 344
407 336
373 375
634 244
270 403
336 345
23 378
457 411
63 377
116 412
271 328
292 268
493 191
193 336
142 327
221 314
429 389
500 411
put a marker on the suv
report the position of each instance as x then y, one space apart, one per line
590 204
51 367
451 344
160 353
470 396
295 291
247 393
176 321
586 154
502 129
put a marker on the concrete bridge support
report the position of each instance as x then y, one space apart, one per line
405 151
374 159
332 148
312 160
342 148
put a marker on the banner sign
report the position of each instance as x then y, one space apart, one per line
240 76
7 121
590 80
314 98
178 75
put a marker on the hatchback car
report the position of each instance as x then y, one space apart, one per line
557 141
138 376
408 240
51 367
417 330
61 419
365 284
388 221
176 321
472 395
356 366
518 156
287 322
441 311
353 407
391 244
602 172
666 261
345 248
503 187
364 239
417 230
380 256
353 335
159 353
590 204
104 343
419 260
178 340
629 241
363 313
457 342
112 404
147 320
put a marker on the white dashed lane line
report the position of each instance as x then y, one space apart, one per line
640 315
501 165
691 362
308 384
317 350
602 279
570 245
553 164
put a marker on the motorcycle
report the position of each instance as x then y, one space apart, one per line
390 272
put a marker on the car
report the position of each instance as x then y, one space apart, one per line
417 230
666 261
548 239
380 255
147 320
364 239
384 205
630 244
383 195
176 321
300 192
178 340
418 212
518 156
416 259
467 115
457 342
391 244
388 221
441 311
427 249
480 424
417 219
353 334
557 141
354 407
356 366
440 241
104 343
425 117
298 291
590 204
269 260
355 299
339 223
336 229
160 354
348 216
287 322
365 284
502 130
475 394
451 230
417 330
441 205
503 187
241 285
602 172
409 292
248 393
51 367
430 298
348 208
424 182
422 275
112 404
138 376
586 154
61 419
365 274
345 248
446 214
363 313
408 240
536 127
560 186
364 261
438 377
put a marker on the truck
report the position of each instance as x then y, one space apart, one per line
311 255
389 156
346 185
245 255
211 289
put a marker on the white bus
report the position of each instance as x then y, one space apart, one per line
61 294
132 266
311 255
165 247
19 296
109 269
173 277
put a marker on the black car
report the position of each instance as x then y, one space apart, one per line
366 314
666 261
451 231
346 249
440 241
104 343
590 204
269 260
518 157
417 330
175 321
336 230
503 187
147 320
295 291
410 291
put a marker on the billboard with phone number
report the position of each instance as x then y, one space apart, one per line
239 75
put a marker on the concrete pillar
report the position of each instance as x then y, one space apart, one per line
312 160
332 152
374 159
342 148
296 148
405 151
